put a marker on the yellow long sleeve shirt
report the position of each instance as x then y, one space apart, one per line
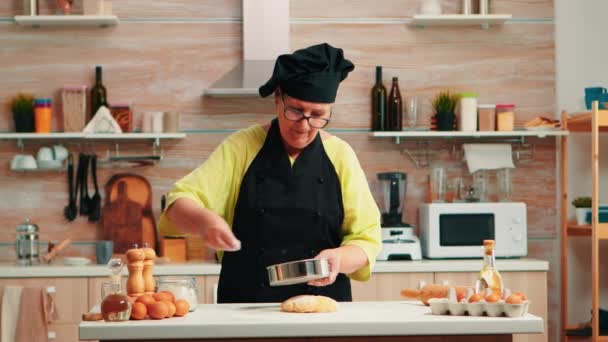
216 183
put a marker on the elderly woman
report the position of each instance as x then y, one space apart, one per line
284 191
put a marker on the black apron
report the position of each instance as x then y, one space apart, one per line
283 214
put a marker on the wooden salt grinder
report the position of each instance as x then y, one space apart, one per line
149 281
135 282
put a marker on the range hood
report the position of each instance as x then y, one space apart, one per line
265 37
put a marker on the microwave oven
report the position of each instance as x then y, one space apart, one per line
457 230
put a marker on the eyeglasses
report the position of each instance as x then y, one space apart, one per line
293 114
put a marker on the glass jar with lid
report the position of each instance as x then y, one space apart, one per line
505 117
182 288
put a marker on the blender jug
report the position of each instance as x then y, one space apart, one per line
393 189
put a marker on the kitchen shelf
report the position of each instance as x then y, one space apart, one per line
483 20
458 134
156 137
585 230
581 122
593 123
66 20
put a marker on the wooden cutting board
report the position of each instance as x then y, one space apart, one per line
127 213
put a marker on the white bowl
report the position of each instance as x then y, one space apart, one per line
45 154
76 261
61 153
439 306
50 164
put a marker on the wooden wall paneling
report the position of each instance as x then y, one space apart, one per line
407 8
188 9
427 61
156 66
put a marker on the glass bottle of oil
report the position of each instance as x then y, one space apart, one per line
489 278
115 305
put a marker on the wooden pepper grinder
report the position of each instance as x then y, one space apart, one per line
149 281
135 282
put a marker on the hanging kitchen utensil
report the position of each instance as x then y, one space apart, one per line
95 213
71 211
84 201
85 186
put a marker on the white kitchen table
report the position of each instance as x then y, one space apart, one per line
354 321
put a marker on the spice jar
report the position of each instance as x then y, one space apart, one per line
505 117
468 112
182 288
487 117
121 112
42 115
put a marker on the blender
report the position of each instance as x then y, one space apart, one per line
398 239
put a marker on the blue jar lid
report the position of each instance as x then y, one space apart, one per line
42 102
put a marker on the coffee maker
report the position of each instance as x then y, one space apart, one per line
398 239
26 244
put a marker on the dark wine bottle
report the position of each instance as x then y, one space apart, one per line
378 102
395 108
98 94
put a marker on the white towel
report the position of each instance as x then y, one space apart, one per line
488 156
11 302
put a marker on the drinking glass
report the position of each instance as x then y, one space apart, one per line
503 178
412 112
438 181
480 184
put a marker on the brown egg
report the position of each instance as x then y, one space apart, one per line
492 298
158 310
475 298
514 299
181 307
146 299
138 311
170 294
171 307
160 296
522 295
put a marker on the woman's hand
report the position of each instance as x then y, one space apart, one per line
219 236
192 219
334 258
345 259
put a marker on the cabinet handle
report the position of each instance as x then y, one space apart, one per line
215 293
52 335
51 289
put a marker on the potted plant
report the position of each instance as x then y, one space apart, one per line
583 206
444 105
22 106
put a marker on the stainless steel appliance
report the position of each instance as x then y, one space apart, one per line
398 239
26 244
457 230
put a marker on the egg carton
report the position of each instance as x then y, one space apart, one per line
442 306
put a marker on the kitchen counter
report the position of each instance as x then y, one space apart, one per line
198 268
354 319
